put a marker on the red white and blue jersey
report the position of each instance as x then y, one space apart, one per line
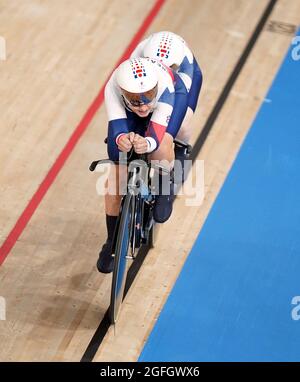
117 109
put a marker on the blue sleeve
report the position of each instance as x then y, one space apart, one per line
115 127
160 120
196 86
187 68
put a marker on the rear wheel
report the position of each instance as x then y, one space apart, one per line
121 257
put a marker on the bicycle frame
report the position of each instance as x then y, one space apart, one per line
135 223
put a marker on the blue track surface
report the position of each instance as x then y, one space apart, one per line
232 300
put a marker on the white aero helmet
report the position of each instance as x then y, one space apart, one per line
166 47
137 75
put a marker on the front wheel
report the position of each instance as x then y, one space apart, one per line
121 256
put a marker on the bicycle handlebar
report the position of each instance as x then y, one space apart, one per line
140 162
95 163
177 142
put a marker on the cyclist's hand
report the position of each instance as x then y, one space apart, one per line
125 142
140 144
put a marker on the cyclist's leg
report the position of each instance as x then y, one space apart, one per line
115 185
185 132
164 200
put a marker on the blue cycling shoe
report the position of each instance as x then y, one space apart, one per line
164 206
105 263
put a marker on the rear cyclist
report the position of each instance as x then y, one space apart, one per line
174 52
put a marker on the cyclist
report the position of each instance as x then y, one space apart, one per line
140 99
173 51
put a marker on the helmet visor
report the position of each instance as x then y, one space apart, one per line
139 99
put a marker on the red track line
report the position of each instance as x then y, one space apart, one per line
65 153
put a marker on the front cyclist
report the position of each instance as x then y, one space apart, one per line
139 99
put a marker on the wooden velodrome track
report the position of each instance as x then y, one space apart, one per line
59 54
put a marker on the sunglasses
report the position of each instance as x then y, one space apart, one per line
137 103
